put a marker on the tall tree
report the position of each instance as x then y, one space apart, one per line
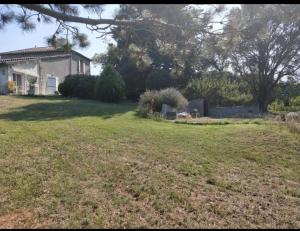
174 51
265 47
132 70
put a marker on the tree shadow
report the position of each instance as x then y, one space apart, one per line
66 109
40 97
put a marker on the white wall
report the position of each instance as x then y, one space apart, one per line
3 79
27 68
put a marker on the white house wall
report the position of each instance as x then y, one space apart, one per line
74 64
27 68
9 73
3 79
57 67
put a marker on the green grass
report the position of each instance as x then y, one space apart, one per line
84 164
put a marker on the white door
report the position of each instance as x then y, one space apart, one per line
52 85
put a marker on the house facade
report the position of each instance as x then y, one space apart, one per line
47 65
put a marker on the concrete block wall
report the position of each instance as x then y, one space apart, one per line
233 111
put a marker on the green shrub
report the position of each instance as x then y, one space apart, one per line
158 79
67 87
295 101
151 101
85 87
61 89
134 79
218 89
285 91
31 80
173 98
110 86
81 86
276 106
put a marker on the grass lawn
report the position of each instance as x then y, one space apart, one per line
82 164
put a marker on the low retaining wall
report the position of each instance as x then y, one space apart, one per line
234 111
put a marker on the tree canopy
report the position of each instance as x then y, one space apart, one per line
156 19
267 47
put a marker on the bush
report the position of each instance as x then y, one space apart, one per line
11 86
61 89
173 98
81 86
85 87
295 101
286 91
293 121
134 79
32 80
276 106
294 127
135 86
218 89
67 87
158 79
293 117
151 101
110 86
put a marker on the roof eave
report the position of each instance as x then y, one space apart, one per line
81 55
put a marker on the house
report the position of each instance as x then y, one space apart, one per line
47 65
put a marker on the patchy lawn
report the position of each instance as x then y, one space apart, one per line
215 121
84 164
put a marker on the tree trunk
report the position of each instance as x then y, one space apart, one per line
263 105
264 97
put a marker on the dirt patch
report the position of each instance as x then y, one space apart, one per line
21 219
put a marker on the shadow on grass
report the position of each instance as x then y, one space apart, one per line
61 108
38 97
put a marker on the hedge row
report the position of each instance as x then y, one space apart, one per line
108 87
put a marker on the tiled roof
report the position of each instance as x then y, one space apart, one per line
16 59
31 50
37 50
30 58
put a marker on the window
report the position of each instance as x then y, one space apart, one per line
81 67
78 67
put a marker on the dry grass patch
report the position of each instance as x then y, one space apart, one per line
218 121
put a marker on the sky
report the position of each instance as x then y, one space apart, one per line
13 38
